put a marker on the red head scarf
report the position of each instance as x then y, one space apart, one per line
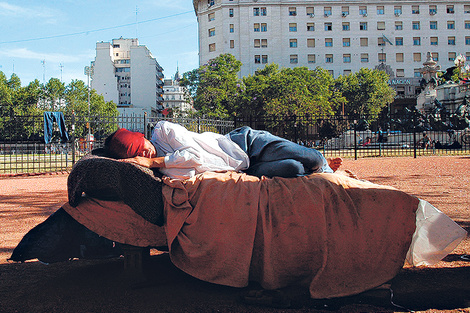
126 144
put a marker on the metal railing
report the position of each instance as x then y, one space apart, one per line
23 149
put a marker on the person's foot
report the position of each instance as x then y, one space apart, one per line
334 163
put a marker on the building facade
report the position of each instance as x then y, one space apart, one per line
175 96
339 36
127 74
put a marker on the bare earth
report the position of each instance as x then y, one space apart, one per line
103 285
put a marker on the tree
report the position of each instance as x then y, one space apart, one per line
215 86
54 92
366 92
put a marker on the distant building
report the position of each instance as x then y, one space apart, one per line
175 96
339 36
127 74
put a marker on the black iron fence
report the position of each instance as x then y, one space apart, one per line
23 148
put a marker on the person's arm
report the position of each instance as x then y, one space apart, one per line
157 162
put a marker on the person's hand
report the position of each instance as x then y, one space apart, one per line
146 162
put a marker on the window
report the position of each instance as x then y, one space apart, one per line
310 27
399 57
415 9
467 40
346 42
417 73
400 72
310 11
294 59
452 56
328 42
397 10
211 16
255 11
363 10
264 59
364 42
292 11
450 9
232 44
230 12
346 72
292 27
433 25
346 58
467 24
435 56
212 47
434 41
310 42
257 59
257 43
116 46
415 25
210 2
345 26
256 27
327 11
328 58
450 25
432 9
398 25
232 28
451 41
344 11
211 32
293 43
328 27
466 9
381 41
363 26
417 57
416 41
264 11
264 43
380 10
364 57
398 41
382 57
380 25
264 27
467 56
311 58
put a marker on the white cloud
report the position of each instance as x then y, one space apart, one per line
22 53
46 14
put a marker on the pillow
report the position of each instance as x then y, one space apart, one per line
109 179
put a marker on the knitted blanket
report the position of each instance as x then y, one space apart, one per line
108 179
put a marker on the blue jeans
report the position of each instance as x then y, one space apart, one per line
275 156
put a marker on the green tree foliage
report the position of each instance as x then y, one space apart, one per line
366 92
35 98
215 86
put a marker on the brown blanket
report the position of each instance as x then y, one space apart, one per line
339 235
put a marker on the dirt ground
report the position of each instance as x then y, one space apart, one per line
104 285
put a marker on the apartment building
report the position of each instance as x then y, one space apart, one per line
127 74
174 95
340 36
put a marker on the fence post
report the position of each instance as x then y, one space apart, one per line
414 134
145 125
73 137
355 139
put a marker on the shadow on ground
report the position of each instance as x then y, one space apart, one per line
104 286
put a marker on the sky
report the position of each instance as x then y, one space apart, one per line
57 38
